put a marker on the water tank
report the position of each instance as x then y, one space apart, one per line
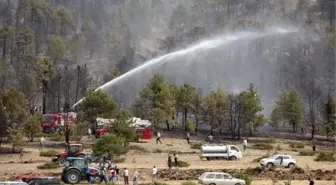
213 148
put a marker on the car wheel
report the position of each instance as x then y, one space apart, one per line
212 184
72 177
237 184
291 165
208 158
270 165
233 158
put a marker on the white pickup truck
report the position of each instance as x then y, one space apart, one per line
215 151
278 161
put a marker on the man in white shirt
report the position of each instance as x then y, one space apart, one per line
42 141
158 138
154 173
126 176
210 138
244 144
188 137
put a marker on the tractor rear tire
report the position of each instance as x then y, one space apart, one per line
72 177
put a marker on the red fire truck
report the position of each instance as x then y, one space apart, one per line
143 127
53 122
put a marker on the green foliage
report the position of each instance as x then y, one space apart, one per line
32 126
188 183
214 107
17 139
56 137
275 117
48 153
293 144
49 165
110 144
329 116
325 157
57 47
80 129
307 153
182 164
190 127
243 176
156 100
262 146
290 108
122 126
196 145
252 107
185 98
97 104
44 69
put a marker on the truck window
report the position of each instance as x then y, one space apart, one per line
47 119
234 148
210 176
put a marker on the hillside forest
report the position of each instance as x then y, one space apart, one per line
54 52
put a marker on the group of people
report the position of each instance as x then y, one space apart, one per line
114 176
170 161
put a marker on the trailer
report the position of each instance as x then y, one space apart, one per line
216 151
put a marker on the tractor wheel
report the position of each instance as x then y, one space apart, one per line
72 177
98 180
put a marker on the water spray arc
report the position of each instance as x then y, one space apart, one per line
205 45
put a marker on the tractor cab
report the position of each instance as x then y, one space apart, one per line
73 149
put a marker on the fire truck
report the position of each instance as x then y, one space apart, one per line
54 122
143 127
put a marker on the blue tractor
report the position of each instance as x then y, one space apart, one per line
77 169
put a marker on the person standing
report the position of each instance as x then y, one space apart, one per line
21 153
210 138
245 144
126 176
175 160
117 173
89 132
188 137
154 173
135 177
311 182
158 138
169 162
42 141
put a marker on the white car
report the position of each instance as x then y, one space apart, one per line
218 178
278 161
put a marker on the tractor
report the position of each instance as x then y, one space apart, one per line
72 150
77 169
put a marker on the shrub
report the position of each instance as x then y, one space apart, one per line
190 127
56 137
296 145
243 176
325 156
188 183
262 146
306 153
257 160
50 165
119 160
182 164
297 170
48 153
271 140
196 145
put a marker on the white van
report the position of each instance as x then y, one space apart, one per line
215 151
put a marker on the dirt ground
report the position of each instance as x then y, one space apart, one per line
147 154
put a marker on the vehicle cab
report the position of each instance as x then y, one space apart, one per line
278 160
